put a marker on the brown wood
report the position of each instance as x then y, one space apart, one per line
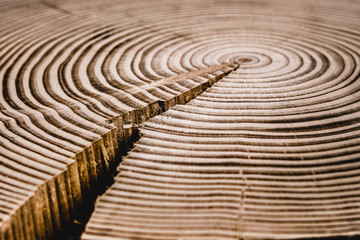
247 114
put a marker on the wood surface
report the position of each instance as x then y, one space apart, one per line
247 114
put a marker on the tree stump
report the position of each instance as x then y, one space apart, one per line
233 119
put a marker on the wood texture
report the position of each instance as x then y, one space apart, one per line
270 151
233 165
68 107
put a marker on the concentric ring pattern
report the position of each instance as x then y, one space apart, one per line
271 151
74 80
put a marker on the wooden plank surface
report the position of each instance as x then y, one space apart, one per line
270 151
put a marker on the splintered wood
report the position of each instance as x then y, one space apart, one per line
247 115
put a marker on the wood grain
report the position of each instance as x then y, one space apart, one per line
269 152
214 169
